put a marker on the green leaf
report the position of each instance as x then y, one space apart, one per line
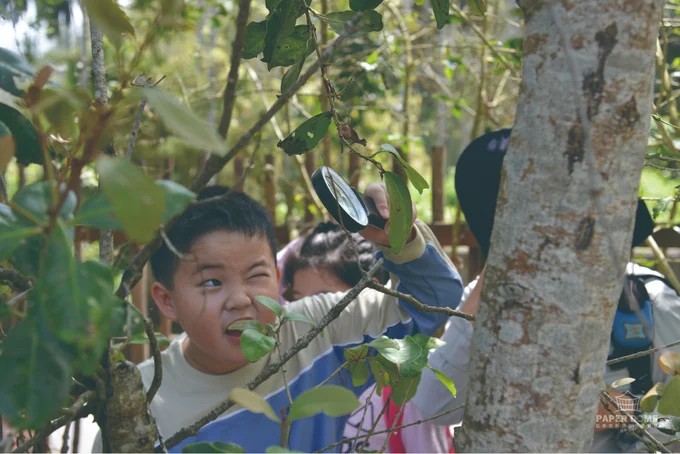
26 139
137 201
359 371
108 16
35 376
183 122
370 22
13 231
331 400
280 25
404 390
669 404
383 342
177 198
60 108
279 449
254 44
36 199
446 381
271 304
441 12
419 2
253 402
477 7
13 65
410 358
292 49
291 76
297 317
216 446
141 338
7 147
412 174
401 211
669 426
357 353
255 345
307 135
430 343
661 206
242 325
382 377
651 398
622 382
363 5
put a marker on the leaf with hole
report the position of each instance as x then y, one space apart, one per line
651 398
26 139
292 49
371 21
477 7
401 211
298 317
256 345
254 45
670 363
307 135
441 12
216 446
446 381
363 5
330 400
253 402
669 403
271 304
35 376
7 147
280 25
183 122
136 199
110 18
622 382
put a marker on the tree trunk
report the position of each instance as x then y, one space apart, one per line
563 225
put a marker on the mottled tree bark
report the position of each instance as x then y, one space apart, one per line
563 225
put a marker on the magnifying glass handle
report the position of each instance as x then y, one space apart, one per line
374 217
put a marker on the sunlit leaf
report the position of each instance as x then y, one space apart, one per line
622 382
183 122
401 211
669 404
306 136
271 304
253 402
216 446
441 12
7 147
383 342
670 363
331 400
651 398
411 357
136 199
371 21
254 45
256 345
446 381
412 174
362 5
109 17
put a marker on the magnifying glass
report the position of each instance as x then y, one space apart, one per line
347 205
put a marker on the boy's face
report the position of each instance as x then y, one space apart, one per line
214 286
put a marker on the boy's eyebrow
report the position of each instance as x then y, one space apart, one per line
206 266
262 262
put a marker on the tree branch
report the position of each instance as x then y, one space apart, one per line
421 307
157 362
17 281
640 354
215 163
76 411
274 367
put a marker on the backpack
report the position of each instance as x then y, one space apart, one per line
633 330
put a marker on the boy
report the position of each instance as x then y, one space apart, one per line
229 251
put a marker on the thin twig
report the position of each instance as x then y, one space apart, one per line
396 419
138 118
421 307
272 368
371 432
414 423
368 400
215 163
640 354
76 411
337 371
634 421
64 438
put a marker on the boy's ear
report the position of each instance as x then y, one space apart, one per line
163 298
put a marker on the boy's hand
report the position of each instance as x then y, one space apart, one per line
378 193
